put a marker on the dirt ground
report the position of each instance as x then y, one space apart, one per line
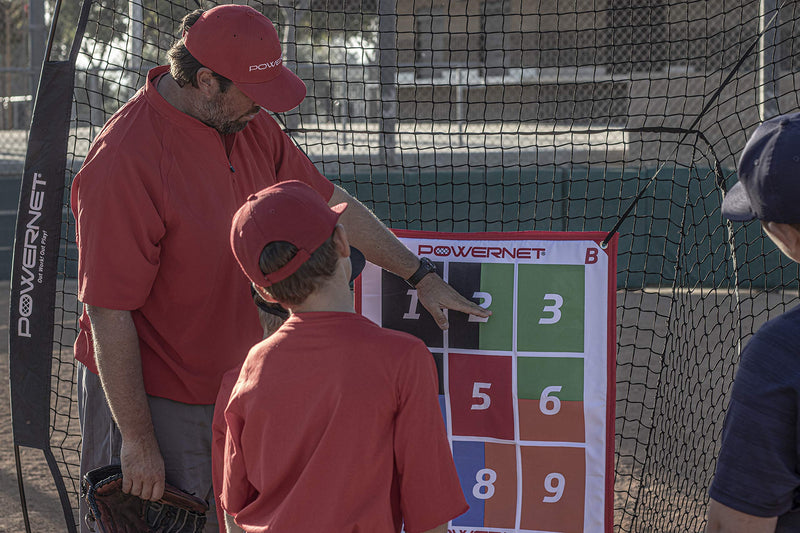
44 508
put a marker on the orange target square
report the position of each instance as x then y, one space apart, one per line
539 420
553 488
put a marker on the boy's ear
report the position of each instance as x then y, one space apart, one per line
262 292
785 236
340 240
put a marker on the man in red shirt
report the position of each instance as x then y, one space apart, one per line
334 423
167 310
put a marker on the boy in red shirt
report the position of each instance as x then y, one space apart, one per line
334 423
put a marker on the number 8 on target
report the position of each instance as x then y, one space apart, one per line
488 473
484 488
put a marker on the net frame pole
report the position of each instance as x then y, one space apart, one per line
291 120
135 43
37 40
21 487
48 137
387 44
767 104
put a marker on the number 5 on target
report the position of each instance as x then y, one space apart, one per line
484 398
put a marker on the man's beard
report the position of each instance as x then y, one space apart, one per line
229 127
216 118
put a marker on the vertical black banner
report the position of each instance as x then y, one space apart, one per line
36 247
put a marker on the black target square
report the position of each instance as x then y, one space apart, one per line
401 310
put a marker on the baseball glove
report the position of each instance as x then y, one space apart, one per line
113 511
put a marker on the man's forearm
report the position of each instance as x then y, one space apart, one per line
367 233
116 346
381 247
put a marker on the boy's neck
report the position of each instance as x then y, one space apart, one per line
333 295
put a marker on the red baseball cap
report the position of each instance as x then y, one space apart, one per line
241 44
288 211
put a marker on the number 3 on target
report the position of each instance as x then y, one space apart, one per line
554 310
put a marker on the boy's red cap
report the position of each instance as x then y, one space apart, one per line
241 44
288 211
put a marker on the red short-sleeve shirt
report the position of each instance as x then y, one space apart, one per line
153 203
218 431
334 425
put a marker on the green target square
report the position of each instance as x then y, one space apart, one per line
535 374
490 285
497 280
550 308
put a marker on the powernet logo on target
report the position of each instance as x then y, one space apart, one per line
506 251
33 253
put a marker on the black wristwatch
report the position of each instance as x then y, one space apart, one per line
426 266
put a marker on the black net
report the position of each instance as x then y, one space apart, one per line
506 115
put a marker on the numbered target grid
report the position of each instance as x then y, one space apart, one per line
500 446
517 440
511 392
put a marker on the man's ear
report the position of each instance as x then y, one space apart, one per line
206 82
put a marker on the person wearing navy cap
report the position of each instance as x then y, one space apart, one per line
756 486
166 309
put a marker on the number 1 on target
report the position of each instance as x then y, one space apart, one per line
412 313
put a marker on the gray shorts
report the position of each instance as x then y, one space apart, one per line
183 432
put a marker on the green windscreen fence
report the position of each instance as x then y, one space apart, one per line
484 115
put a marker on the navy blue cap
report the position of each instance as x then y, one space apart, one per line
769 174
357 263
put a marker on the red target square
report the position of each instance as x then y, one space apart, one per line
481 396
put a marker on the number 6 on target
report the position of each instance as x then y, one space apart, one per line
548 403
